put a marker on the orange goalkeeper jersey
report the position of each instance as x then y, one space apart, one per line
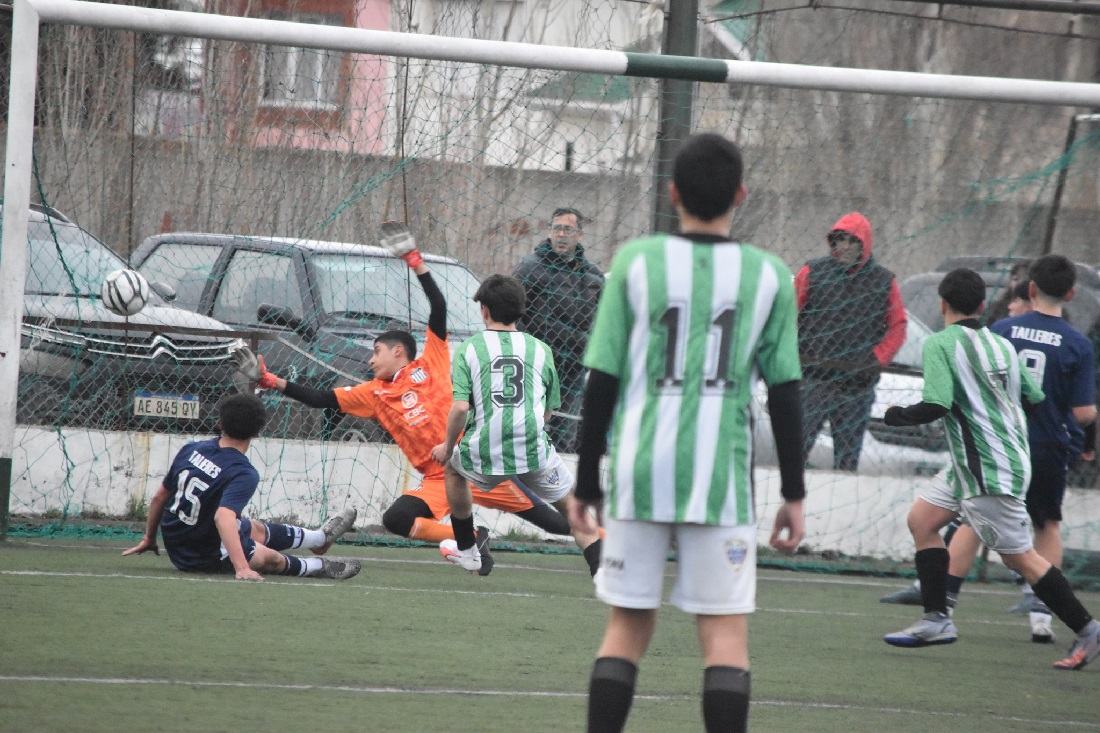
413 407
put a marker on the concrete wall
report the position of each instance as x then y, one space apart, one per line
108 473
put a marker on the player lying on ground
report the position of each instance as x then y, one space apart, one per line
506 384
410 397
974 382
198 510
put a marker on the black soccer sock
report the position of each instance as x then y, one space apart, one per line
610 694
932 567
592 555
464 531
726 699
1053 589
294 566
283 536
954 586
950 532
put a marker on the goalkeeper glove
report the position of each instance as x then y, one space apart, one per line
400 242
252 366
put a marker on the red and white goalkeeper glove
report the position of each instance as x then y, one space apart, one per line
252 367
400 242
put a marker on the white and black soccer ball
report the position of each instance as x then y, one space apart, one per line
125 292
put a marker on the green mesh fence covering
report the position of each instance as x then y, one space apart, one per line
226 171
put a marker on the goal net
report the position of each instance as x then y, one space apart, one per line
273 147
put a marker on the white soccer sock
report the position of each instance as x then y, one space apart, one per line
311 565
312 539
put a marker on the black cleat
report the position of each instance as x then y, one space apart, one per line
481 541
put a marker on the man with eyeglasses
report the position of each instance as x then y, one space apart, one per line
563 288
851 323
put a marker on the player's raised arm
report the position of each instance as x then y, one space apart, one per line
397 238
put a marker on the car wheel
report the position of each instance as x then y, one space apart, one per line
351 436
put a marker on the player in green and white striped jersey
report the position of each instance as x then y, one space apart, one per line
686 324
505 386
974 381
510 381
976 375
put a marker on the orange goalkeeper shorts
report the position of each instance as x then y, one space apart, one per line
505 497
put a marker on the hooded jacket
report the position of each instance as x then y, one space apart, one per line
562 295
851 319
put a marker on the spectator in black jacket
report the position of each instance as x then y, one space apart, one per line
851 322
563 288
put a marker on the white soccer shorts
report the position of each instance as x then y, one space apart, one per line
550 483
1001 521
715 570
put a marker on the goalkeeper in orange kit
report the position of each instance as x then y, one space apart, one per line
410 396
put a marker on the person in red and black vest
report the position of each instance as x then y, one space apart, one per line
851 323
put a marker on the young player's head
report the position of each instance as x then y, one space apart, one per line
963 290
1021 299
504 297
392 351
707 175
241 416
1054 277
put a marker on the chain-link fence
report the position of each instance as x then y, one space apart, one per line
269 152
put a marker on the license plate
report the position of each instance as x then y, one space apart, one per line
185 407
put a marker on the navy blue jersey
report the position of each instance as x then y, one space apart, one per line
1063 362
204 477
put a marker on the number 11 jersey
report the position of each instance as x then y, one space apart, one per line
687 327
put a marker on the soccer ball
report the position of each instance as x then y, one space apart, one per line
125 292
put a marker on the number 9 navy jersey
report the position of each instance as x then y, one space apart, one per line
203 477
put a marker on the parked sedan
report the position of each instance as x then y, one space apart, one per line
917 450
320 305
81 365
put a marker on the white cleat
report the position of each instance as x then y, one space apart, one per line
469 559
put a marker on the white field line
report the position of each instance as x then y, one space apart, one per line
765 575
903 612
1076 724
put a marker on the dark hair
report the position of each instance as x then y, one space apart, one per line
707 173
1054 275
963 289
1022 290
241 415
402 338
504 296
566 211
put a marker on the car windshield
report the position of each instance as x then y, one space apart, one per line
74 264
909 355
363 286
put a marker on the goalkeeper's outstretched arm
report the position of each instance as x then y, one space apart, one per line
253 368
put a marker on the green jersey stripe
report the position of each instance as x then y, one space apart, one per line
633 391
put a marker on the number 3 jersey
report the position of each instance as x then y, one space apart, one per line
1063 362
509 379
203 477
688 327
